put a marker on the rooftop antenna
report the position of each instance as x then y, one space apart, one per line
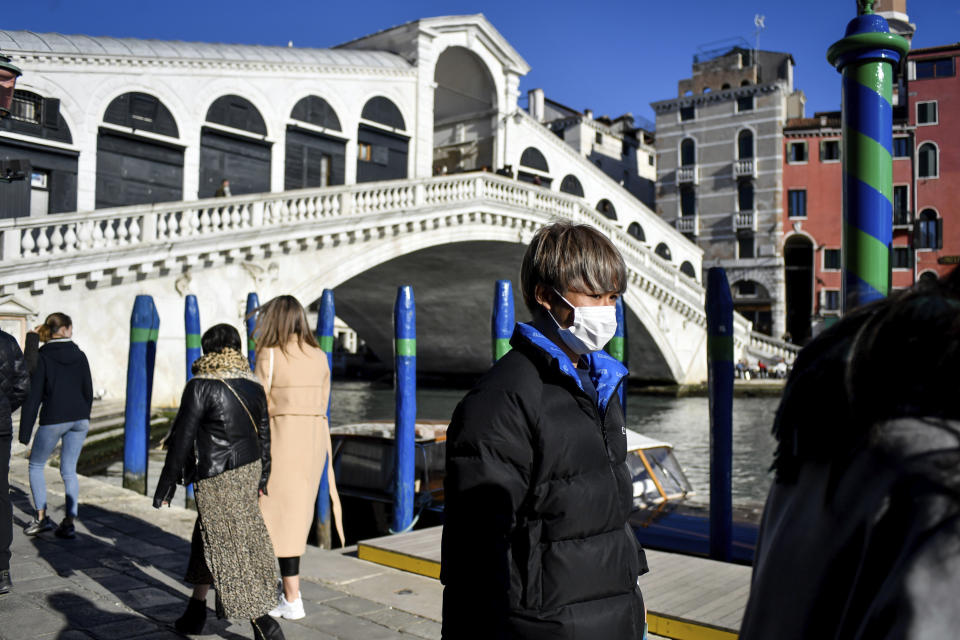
758 22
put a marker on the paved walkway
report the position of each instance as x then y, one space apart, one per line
120 578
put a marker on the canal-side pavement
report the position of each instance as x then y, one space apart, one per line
120 578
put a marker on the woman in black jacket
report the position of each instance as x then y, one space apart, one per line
537 492
61 384
220 441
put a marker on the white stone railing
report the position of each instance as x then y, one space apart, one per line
37 240
689 224
745 168
688 175
744 220
760 342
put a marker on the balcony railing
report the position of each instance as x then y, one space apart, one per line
689 224
745 168
745 220
688 175
902 218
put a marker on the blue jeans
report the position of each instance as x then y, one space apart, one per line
46 438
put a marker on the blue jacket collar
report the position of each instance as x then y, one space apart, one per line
605 371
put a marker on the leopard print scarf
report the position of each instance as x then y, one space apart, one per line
223 365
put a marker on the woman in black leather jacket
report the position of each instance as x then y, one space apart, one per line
220 441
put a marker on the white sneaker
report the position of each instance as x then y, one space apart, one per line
289 610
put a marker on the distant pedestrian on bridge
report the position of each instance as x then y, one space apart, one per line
860 538
61 390
223 191
536 543
220 441
14 385
296 377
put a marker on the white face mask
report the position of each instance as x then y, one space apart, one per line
592 327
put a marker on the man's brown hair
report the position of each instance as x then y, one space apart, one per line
566 256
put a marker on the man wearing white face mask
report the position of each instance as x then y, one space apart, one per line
536 543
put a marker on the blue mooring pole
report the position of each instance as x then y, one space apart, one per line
325 317
865 57
144 324
405 349
719 310
502 319
251 322
617 347
191 324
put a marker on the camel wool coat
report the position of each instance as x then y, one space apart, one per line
297 382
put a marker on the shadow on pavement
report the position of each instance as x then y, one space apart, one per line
117 557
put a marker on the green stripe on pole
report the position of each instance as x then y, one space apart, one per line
868 161
615 347
880 83
406 346
871 256
154 335
502 347
193 341
140 334
720 348
326 343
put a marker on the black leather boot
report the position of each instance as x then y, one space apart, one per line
193 619
266 628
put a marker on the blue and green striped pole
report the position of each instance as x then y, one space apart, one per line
136 415
866 57
405 349
191 324
253 302
502 320
617 347
719 308
325 317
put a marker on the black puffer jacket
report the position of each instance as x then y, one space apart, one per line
535 541
14 381
61 388
213 433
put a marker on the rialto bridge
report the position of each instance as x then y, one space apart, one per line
363 127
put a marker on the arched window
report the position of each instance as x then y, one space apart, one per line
136 169
316 111
929 230
928 276
745 83
726 85
745 145
663 251
143 112
571 185
383 111
688 152
927 161
313 158
531 157
606 208
745 196
237 113
636 231
687 269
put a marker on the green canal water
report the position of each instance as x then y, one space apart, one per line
683 422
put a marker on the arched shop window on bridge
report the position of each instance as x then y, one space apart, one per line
571 185
663 251
315 147
687 269
382 147
233 146
606 208
534 167
137 169
50 171
636 231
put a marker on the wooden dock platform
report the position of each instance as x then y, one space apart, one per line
687 598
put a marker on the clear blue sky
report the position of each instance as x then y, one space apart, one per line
612 57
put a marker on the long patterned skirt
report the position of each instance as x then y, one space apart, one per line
236 546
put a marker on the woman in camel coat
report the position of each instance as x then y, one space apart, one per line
296 378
